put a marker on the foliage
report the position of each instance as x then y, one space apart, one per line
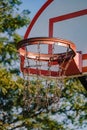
9 92
72 111
10 21
73 106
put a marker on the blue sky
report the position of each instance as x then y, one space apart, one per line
32 5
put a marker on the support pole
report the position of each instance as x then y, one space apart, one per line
83 81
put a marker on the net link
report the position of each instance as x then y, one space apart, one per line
43 93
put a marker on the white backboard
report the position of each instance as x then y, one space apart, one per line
66 19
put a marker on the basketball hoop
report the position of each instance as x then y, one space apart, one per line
44 72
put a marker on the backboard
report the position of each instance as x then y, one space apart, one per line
66 20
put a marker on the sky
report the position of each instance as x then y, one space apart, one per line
33 6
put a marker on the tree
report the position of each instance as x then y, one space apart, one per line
9 92
70 115
10 22
73 107
74 104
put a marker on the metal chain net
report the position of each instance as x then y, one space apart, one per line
43 93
